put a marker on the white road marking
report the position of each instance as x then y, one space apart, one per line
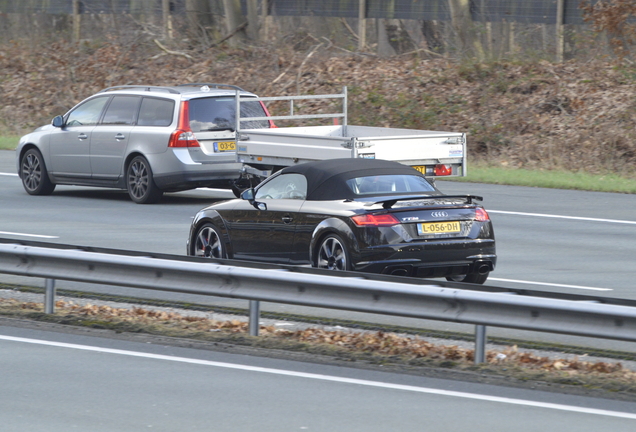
223 191
563 217
549 284
27 235
368 383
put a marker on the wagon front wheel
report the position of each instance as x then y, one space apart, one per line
35 177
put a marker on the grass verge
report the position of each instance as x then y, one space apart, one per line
9 142
549 179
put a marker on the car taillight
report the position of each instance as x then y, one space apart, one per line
183 136
481 215
271 123
443 170
382 220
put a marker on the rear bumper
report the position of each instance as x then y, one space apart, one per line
212 177
175 170
430 260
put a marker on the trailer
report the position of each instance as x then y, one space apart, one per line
433 153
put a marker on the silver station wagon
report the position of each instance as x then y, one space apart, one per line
145 139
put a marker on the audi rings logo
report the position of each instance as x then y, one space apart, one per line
439 214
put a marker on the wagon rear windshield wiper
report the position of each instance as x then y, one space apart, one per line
216 129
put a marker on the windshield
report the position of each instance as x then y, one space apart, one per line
386 184
207 114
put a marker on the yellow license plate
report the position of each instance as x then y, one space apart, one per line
224 146
438 228
420 168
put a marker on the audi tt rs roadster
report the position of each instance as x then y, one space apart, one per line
363 215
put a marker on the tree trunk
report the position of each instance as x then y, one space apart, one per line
167 19
384 47
467 42
233 19
252 19
76 21
198 17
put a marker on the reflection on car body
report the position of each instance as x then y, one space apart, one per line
351 214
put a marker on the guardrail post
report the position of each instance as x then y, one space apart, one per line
49 296
255 316
480 344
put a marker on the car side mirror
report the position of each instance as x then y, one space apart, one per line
58 121
248 195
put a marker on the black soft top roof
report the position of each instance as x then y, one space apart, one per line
326 180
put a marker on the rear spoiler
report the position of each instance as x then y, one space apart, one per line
390 201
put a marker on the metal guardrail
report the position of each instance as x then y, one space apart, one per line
461 303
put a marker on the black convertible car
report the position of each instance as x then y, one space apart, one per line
364 215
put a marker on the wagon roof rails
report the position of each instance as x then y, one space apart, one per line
141 87
211 85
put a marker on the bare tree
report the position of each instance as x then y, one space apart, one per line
199 17
234 20
468 44
252 18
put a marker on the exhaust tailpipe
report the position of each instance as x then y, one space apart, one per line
483 267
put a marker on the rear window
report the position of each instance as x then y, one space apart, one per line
386 184
208 114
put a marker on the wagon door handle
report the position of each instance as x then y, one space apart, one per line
287 219
120 137
82 136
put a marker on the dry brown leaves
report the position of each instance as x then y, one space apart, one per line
376 343
573 116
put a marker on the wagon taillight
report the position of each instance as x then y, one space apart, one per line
183 136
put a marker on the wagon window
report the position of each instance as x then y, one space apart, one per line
87 114
156 112
122 110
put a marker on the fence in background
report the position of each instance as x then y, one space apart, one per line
503 26
519 11
461 303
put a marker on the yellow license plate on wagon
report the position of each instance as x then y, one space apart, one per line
224 146
439 228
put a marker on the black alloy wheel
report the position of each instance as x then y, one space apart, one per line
208 243
333 254
34 175
141 186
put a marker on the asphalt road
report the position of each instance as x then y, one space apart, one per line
552 240
61 382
